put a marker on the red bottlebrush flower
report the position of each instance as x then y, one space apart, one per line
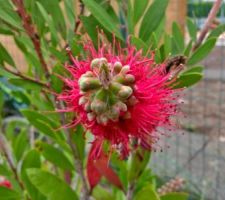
5 183
120 97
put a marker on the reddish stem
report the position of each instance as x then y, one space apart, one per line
30 30
208 23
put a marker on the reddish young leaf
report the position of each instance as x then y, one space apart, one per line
102 165
97 166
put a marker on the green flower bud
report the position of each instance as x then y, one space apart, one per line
95 63
91 116
88 83
82 100
125 92
117 67
129 79
125 69
88 74
87 107
98 106
102 119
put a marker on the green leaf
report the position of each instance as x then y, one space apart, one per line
188 48
29 85
55 156
139 161
197 69
202 51
178 37
50 185
43 124
103 17
78 139
20 144
8 14
9 194
147 193
100 193
130 14
139 9
175 196
31 160
69 7
152 18
49 20
188 79
5 57
192 29
217 31
139 43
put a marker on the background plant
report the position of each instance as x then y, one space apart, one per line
42 161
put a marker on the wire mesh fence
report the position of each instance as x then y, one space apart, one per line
198 155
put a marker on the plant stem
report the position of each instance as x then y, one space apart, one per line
19 74
30 30
130 191
8 156
208 23
77 160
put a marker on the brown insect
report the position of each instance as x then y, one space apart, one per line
175 63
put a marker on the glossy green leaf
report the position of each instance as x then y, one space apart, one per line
102 16
152 18
70 12
196 69
50 185
9 194
8 14
178 37
100 193
146 193
20 144
49 20
139 161
29 85
139 44
217 31
43 124
139 9
188 79
188 49
192 29
5 56
202 51
31 160
175 196
130 14
55 156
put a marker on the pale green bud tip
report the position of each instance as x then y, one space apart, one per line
98 106
88 83
88 74
125 92
129 78
117 67
125 69
82 100
91 116
102 119
95 62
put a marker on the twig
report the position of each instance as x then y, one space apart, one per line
77 160
8 156
130 192
30 30
208 23
19 74
78 22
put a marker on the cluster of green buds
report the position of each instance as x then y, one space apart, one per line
106 91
